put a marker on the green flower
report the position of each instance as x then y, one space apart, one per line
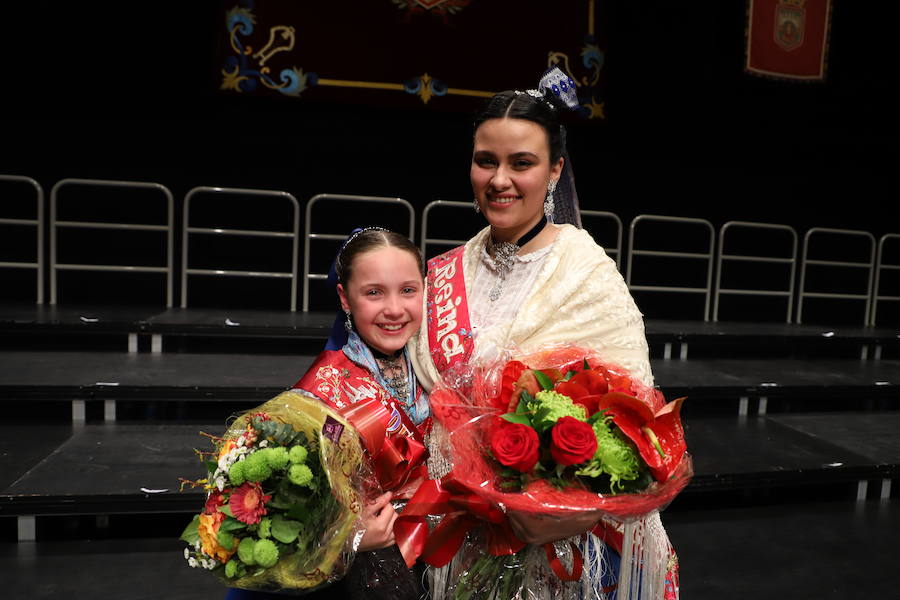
256 467
547 407
298 454
236 473
300 474
265 553
615 456
265 527
277 457
231 568
245 551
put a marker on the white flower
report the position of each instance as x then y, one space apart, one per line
220 483
192 562
187 554
263 443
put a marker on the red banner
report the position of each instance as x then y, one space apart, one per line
788 39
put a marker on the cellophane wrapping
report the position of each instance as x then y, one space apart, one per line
467 405
302 505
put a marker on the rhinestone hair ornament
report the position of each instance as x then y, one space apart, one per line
556 83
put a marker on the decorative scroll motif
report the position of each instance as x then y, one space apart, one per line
245 67
439 7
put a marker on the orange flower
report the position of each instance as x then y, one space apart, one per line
209 532
248 503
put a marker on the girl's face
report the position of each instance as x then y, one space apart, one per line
384 295
510 171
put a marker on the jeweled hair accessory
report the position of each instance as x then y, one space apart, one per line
560 85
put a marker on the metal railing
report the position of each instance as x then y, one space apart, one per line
707 256
722 257
38 224
56 224
881 266
869 265
617 250
187 229
311 235
426 213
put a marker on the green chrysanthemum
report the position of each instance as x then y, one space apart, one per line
277 457
615 456
236 473
265 553
547 407
298 454
256 467
300 474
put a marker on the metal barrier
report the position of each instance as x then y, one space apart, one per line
617 251
425 240
310 235
55 224
708 256
188 229
722 256
879 267
38 224
870 265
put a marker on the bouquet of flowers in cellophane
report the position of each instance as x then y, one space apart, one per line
283 498
555 433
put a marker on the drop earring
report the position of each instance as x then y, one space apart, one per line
348 324
548 201
476 206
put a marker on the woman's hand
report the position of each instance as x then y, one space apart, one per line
540 529
378 519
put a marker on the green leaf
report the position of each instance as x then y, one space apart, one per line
211 466
231 524
570 375
225 508
517 418
191 533
542 379
285 530
299 512
525 398
226 540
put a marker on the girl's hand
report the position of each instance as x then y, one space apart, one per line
378 519
540 529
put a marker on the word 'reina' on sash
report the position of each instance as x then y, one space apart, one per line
449 328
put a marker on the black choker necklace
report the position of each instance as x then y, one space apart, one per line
382 356
504 254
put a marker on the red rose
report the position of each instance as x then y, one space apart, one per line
515 446
572 441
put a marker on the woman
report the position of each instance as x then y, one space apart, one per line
524 282
380 287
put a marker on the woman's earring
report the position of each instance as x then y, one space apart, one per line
548 201
348 324
476 205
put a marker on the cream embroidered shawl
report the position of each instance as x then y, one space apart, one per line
579 297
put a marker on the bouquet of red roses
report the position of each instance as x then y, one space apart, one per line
553 433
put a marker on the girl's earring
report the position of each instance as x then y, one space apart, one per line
348 324
548 201
476 205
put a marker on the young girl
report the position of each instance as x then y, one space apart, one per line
380 287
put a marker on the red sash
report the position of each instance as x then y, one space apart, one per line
449 328
395 445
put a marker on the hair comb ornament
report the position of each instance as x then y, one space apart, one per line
555 82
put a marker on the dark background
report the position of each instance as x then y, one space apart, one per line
130 91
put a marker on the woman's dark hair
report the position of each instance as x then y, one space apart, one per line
371 239
522 105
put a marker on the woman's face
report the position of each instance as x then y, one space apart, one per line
384 295
510 171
